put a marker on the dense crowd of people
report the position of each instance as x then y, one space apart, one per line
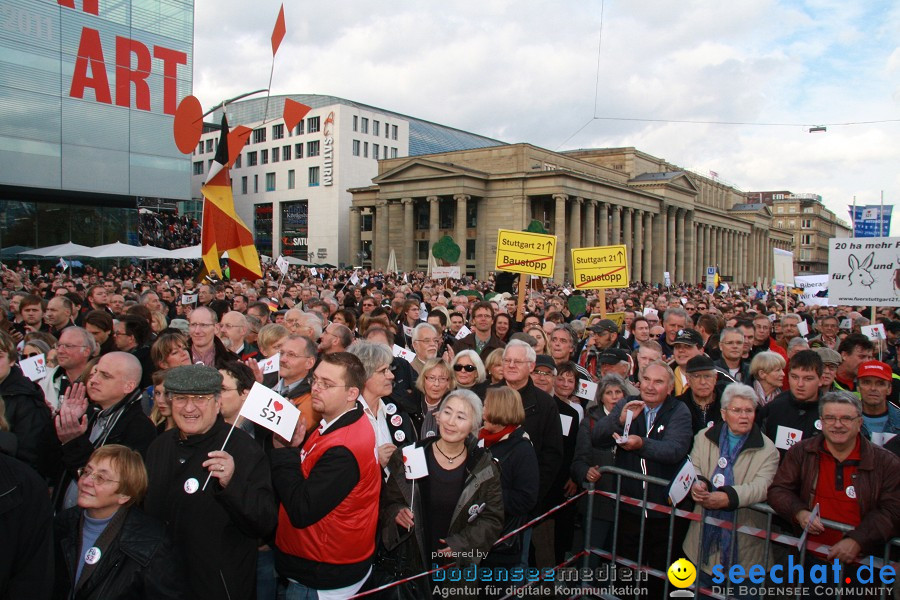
168 230
436 418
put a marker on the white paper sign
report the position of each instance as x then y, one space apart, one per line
313 272
846 324
874 332
566 292
407 331
423 312
880 438
414 463
586 389
566 422
463 332
629 415
785 437
189 298
35 368
862 271
667 279
650 312
407 355
354 279
682 483
282 264
784 267
270 365
445 272
803 328
811 286
812 517
269 409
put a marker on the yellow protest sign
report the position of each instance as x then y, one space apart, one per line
524 252
600 267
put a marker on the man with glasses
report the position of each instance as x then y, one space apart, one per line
425 343
296 360
204 346
212 487
849 478
481 340
544 374
76 347
233 333
731 344
335 338
328 489
828 333
368 305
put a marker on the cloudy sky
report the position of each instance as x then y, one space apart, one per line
584 74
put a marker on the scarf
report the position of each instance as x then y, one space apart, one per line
113 528
761 393
492 438
720 538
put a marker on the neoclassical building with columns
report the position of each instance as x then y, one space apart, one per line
670 220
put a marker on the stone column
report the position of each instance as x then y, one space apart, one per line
574 235
636 263
559 228
355 235
670 242
660 246
460 228
628 233
680 247
647 267
690 261
409 238
698 264
382 250
604 224
708 243
590 223
434 211
616 225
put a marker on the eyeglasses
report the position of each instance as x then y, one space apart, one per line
741 411
199 400
429 341
293 355
466 368
67 347
831 420
325 385
542 374
201 325
514 361
99 478
383 371
435 379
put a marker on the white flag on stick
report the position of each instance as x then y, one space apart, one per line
271 410
282 264
414 463
682 483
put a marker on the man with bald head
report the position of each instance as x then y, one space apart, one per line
112 416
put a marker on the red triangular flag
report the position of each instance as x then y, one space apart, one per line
279 31
237 139
293 113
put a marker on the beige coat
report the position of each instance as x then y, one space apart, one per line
754 470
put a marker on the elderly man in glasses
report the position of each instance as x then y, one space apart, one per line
850 479
212 487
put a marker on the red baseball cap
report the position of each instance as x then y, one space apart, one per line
874 368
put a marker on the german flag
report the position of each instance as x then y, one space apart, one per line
223 231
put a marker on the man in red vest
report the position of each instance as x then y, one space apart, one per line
329 505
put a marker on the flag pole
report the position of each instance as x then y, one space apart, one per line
227 437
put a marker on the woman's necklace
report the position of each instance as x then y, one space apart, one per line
450 459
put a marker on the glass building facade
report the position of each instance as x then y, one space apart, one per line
88 92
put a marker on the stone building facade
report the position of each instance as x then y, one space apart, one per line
670 220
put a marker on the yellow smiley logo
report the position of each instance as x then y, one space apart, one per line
682 573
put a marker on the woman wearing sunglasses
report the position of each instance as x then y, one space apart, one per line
470 372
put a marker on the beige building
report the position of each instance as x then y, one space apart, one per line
670 220
810 225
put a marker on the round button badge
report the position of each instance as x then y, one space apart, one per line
92 555
850 491
396 420
718 480
723 462
818 424
191 485
390 408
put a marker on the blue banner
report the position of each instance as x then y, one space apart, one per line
867 219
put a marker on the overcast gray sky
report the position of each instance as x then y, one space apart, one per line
528 72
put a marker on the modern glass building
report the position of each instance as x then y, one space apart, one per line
88 92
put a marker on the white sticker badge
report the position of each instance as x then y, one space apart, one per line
191 485
92 556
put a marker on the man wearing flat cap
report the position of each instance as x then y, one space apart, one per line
604 334
687 344
704 391
216 502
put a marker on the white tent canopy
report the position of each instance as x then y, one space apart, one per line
117 250
186 253
60 250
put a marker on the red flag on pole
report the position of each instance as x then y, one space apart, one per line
279 31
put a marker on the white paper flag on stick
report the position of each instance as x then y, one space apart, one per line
405 354
812 517
35 368
682 483
586 389
314 272
189 298
803 328
874 332
269 409
463 332
282 264
271 364
414 463
629 415
354 279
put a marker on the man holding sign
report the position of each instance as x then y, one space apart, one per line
328 489
217 524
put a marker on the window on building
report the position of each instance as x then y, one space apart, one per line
198 168
251 159
420 215
470 249
244 185
376 128
312 148
471 213
277 132
291 179
387 131
365 125
312 125
237 162
445 214
200 148
779 209
298 130
805 223
276 154
298 150
393 153
263 157
365 149
366 222
355 123
259 135
355 147
375 149
779 224
270 182
256 184
286 152
209 145
209 163
393 132
313 176
806 239
422 250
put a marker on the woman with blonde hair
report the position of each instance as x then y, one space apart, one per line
767 374
270 338
543 342
434 383
493 366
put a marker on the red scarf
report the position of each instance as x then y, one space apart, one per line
492 438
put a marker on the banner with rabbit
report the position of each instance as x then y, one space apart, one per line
864 271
